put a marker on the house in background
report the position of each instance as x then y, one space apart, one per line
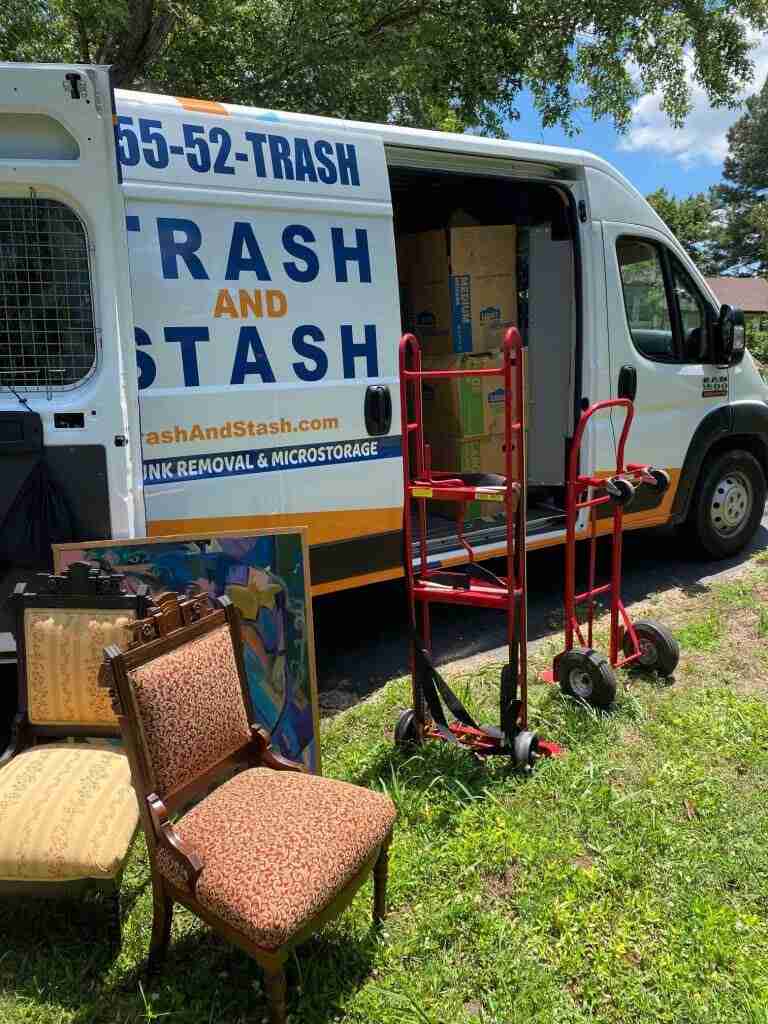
749 294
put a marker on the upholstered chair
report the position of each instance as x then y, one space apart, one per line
268 853
68 812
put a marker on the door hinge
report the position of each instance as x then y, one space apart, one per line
121 440
73 83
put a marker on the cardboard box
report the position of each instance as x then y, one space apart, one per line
468 406
460 286
470 455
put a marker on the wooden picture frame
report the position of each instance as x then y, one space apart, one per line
277 669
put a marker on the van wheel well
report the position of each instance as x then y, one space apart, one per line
741 442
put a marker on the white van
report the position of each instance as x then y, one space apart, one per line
200 310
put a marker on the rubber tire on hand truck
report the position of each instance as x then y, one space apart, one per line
406 733
661 652
587 676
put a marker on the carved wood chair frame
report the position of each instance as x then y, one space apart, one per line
173 624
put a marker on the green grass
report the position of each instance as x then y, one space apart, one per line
625 882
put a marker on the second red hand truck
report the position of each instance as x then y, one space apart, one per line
580 670
471 584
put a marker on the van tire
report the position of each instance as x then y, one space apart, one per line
727 504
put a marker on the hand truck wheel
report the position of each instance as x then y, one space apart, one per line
661 479
406 731
659 651
586 675
526 746
620 490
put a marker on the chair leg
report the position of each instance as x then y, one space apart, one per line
115 922
275 984
161 925
380 885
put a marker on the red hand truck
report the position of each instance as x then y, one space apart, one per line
580 670
471 584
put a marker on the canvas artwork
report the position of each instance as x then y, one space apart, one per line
265 574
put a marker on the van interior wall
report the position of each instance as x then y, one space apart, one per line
535 220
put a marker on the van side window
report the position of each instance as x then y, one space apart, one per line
47 330
645 298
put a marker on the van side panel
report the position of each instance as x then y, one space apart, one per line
265 297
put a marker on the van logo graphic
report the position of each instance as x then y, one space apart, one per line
494 397
426 318
490 313
714 386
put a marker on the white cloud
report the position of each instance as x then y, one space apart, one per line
702 137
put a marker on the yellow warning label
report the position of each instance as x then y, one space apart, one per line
489 495
422 492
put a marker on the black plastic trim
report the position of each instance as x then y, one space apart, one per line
741 419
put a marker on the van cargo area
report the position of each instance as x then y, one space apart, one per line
476 254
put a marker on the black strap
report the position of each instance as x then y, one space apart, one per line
434 687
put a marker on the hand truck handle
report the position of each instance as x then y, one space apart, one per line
586 416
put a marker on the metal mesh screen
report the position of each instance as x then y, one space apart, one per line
47 332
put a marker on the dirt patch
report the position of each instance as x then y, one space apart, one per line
502 886
473 1008
583 861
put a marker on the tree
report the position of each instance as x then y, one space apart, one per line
459 64
693 222
742 195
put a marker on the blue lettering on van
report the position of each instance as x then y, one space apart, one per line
245 254
293 236
309 349
173 248
187 338
207 150
249 343
357 253
144 361
214 465
352 350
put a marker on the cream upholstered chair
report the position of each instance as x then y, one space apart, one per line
68 812
272 853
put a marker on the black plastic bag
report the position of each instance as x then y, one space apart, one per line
38 517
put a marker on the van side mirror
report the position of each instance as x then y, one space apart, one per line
730 337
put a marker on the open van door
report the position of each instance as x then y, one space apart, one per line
267 322
68 398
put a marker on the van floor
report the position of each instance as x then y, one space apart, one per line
544 516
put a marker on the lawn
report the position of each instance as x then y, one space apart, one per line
624 882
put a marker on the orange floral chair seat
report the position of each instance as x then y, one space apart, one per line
277 847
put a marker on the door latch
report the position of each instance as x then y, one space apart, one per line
378 410
120 440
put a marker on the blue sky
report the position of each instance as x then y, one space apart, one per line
652 154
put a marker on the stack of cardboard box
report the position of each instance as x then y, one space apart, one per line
459 293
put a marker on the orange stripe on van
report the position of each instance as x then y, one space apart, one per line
323 527
202 106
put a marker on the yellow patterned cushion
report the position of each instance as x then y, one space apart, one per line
67 811
65 649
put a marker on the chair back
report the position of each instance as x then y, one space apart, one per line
62 624
181 694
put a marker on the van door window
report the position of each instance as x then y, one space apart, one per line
645 298
692 315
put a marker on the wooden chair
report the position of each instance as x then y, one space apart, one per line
271 853
68 812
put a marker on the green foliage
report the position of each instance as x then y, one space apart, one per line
740 197
458 64
692 221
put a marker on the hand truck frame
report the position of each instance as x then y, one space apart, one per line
473 584
580 670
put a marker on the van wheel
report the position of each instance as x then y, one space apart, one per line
728 504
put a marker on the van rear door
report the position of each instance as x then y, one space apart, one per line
66 321
263 272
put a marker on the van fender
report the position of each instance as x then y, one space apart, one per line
745 422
